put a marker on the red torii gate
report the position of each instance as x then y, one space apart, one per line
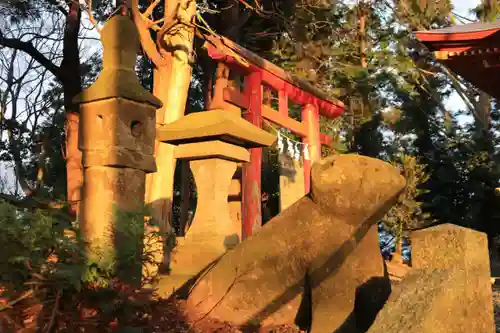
258 72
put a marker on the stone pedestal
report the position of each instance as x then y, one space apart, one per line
212 232
447 246
105 190
117 132
448 288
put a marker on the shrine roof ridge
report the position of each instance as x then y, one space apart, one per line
460 32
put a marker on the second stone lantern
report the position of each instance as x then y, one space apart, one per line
214 142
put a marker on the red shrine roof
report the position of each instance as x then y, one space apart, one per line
298 90
470 50
460 32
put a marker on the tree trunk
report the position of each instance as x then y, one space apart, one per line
483 105
171 85
362 34
482 114
208 68
72 86
68 74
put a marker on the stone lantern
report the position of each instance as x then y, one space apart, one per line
214 142
117 135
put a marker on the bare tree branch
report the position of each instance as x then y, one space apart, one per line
59 7
30 49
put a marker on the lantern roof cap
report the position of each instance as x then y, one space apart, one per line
212 125
118 79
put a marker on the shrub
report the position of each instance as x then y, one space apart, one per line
407 213
48 285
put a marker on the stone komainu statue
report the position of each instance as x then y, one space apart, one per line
317 264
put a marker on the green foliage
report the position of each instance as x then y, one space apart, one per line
44 272
407 213
487 10
29 238
326 44
47 153
424 14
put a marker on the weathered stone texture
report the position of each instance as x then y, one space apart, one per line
449 246
234 201
212 149
433 300
354 188
212 232
397 271
214 143
448 289
355 289
215 124
117 131
121 44
103 190
261 281
423 302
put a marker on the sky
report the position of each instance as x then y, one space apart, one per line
463 6
455 103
